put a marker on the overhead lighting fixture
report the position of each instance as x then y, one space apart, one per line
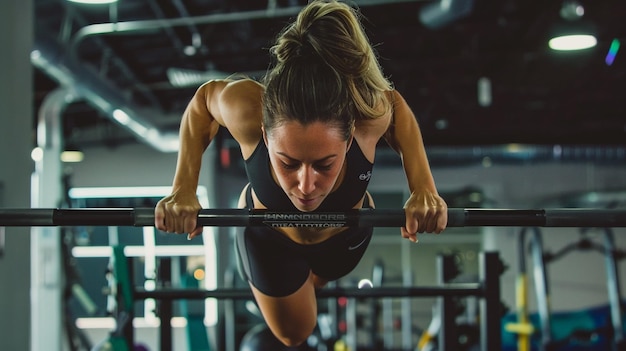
484 92
572 10
180 77
572 42
184 78
72 156
572 32
93 2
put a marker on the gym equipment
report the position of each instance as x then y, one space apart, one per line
558 217
460 331
577 330
487 289
524 328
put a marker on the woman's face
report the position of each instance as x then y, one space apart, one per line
307 160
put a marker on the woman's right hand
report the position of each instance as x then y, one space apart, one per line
178 213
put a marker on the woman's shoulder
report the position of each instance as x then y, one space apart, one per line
379 123
243 89
236 98
245 83
241 108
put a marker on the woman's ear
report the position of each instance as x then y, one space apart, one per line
350 142
351 137
264 135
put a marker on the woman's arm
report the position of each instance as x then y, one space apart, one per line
234 105
426 210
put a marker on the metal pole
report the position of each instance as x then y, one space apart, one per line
613 287
2 229
378 273
521 296
456 289
2 241
490 313
351 323
229 312
388 329
126 314
457 217
448 338
165 307
333 312
542 289
406 312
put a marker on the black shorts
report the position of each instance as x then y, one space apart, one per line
278 266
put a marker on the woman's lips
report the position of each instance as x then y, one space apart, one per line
306 201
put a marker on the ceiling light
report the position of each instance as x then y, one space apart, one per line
572 32
72 156
572 42
180 77
484 92
94 2
572 10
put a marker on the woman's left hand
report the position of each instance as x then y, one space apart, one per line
426 212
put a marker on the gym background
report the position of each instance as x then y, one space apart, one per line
500 175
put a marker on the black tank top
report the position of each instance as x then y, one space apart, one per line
346 196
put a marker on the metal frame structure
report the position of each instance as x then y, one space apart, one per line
487 290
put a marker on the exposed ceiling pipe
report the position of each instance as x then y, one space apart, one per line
498 155
196 37
49 124
178 44
50 57
492 155
156 25
511 154
121 65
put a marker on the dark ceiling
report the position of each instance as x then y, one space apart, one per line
538 96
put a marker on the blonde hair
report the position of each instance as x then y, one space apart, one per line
325 69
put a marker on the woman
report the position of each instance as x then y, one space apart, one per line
308 137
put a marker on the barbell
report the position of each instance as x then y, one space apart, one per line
457 217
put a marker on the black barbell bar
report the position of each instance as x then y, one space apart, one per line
455 289
457 217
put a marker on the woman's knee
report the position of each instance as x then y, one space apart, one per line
292 318
295 337
296 329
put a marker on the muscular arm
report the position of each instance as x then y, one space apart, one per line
426 211
198 127
234 105
405 137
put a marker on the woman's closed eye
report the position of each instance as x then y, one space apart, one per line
319 167
290 166
324 167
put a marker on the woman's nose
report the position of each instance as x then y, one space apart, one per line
306 181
